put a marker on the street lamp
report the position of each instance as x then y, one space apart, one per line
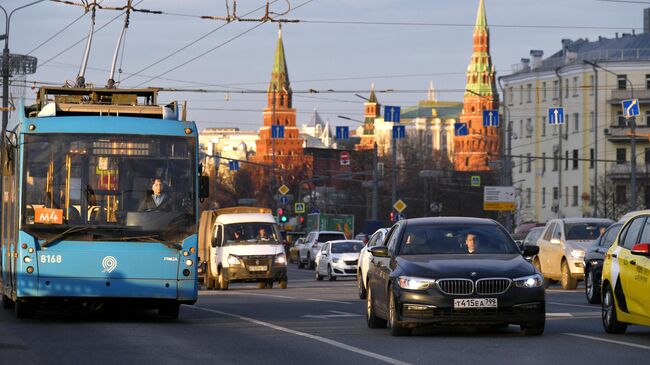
632 122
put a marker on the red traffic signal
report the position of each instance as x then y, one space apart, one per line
392 216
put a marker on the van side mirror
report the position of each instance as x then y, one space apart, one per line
216 240
204 187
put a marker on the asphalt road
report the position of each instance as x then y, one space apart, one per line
308 323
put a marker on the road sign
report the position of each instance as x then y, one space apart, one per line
342 132
233 165
283 189
460 129
475 180
299 207
399 132
345 158
490 118
399 206
630 108
401 217
284 199
498 198
315 211
555 115
277 131
392 113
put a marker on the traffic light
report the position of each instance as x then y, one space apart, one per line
392 216
281 216
301 219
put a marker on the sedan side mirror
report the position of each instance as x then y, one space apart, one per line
379 251
641 249
530 250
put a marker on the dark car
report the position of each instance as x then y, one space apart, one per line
531 240
594 257
426 276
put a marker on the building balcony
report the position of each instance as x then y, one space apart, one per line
618 95
619 132
623 171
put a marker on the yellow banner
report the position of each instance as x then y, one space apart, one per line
498 206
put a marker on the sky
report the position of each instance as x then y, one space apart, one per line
338 45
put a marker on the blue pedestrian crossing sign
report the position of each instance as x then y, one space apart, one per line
277 131
490 118
342 133
460 129
233 165
555 115
399 132
392 113
630 108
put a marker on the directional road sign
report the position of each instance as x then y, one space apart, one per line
399 132
490 118
299 207
460 129
342 132
631 108
277 131
498 198
392 113
233 165
475 180
399 206
345 158
283 189
284 199
555 115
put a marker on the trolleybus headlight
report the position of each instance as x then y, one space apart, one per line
185 253
27 259
30 269
31 250
189 262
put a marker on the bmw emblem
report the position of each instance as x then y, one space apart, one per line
473 273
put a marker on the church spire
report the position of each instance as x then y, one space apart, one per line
480 72
280 74
481 20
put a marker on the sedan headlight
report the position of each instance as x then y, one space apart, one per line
232 260
335 260
578 254
532 281
280 259
415 283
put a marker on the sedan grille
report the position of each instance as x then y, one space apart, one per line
351 262
455 286
492 286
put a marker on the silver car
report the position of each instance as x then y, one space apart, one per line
562 248
338 259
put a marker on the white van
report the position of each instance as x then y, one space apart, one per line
243 244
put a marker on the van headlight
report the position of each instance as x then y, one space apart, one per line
532 281
281 259
233 260
578 254
415 283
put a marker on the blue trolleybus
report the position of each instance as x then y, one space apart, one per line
76 170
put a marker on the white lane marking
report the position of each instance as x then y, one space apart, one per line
336 314
559 315
573 305
340 345
644 347
328 301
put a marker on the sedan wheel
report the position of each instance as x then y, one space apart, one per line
361 286
371 318
592 286
330 274
568 282
393 324
319 277
610 322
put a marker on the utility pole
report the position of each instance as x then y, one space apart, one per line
559 126
394 184
375 185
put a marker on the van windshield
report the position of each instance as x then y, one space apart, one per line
251 232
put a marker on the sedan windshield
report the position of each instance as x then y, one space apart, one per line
346 247
584 231
119 187
456 239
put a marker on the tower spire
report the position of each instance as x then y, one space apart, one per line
280 74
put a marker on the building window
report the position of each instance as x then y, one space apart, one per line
576 122
592 158
543 162
543 197
556 161
575 86
620 119
647 118
592 121
647 84
556 192
566 88
647 159
621 194
575 159
544 91
529 127
529 196
521 128
529 93
566 196
521 94
621 81
556 89
529 161
592 195
592 83
543 126
574 198
647 196
621 156
566 160
512 96
521 165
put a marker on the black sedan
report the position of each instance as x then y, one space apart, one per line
594 257
453 271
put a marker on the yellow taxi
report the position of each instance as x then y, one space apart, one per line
626 276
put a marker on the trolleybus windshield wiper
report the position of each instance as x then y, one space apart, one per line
146 238
64 234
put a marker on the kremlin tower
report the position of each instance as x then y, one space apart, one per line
372 110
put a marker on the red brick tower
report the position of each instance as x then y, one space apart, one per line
288 151
473 151
372 110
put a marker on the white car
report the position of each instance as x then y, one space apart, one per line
313 243
338 259
377 239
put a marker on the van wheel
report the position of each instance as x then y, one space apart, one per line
223 283
283 283
261 285
269 284
568 282
610 322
